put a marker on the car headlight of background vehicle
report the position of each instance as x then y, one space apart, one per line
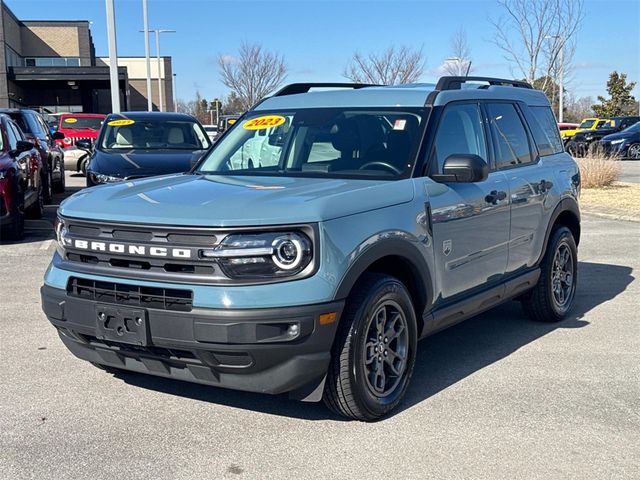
617 142
262 255
100 178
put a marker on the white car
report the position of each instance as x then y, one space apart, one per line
212 131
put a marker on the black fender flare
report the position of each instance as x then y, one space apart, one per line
396 247
567 204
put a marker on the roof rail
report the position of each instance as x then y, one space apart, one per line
455 83
295 88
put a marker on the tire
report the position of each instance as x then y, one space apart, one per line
368 390
47 191
572 149
633 152
543 303
60 185
37 209
82 164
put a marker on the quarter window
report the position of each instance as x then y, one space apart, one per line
545 131
510 139
460 132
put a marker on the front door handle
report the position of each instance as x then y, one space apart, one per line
495 196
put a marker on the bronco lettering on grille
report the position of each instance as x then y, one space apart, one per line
131 249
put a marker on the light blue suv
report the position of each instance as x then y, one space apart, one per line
358 220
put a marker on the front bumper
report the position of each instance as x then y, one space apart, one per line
231 348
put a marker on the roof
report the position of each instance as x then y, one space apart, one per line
413 95
151 116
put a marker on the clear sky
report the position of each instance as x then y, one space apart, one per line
318 37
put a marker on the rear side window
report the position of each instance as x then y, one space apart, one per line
545 130
510 139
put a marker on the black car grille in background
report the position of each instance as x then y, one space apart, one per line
131 295
76 139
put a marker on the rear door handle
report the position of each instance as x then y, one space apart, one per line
495 196
544 186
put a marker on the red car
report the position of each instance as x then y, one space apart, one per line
79 126
21 180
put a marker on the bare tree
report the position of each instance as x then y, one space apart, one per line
391 67
253 74
459 63
532 33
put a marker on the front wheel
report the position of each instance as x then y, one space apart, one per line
634 151
552 297
374 352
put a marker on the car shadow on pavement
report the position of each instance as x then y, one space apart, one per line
442 360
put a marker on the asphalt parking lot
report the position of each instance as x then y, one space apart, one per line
495 397
630 171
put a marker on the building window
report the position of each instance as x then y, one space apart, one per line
52 62
12 58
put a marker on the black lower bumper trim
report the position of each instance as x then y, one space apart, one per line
272 350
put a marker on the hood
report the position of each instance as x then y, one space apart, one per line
222 201
619 135
143 163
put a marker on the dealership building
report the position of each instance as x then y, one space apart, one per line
53 65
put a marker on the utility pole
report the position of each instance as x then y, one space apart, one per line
146 54
113 57
160 69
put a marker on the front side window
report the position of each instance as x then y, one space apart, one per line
354 143
510 139
156 134
460 132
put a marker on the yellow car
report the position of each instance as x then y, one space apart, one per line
586 124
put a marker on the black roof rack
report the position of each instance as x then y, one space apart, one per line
455 83
295 88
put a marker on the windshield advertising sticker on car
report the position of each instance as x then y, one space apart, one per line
266 121
399 124
120 123
70 120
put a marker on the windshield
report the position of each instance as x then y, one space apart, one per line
587 123
354 143
154 134
633 128
81 123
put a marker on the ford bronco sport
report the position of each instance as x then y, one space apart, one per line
376 216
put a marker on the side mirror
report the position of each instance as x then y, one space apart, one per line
84 144
21 146
463 168
57 135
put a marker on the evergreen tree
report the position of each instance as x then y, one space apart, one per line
621 102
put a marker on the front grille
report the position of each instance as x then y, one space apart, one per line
76 139
131 295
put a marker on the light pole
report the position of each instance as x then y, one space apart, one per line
158 32
561 75
113 57
146 54
175 99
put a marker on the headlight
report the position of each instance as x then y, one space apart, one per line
100 178
67 140
262 255
616 142
61 233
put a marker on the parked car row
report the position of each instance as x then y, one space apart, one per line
31 168
592 135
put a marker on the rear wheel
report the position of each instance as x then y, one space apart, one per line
552 297
374 352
